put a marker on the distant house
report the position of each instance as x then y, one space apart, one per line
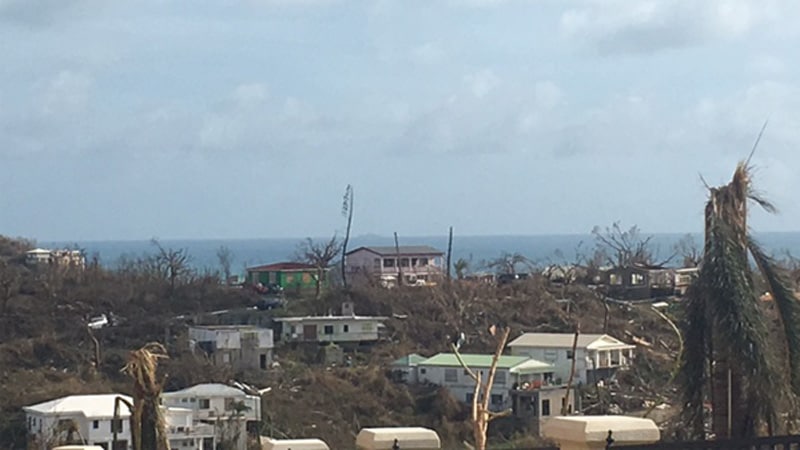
287 275
684 278
59 257
91 419
238 346
419 264
639 282
227 409
405 369
598 356
347 328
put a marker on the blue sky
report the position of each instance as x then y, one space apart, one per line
247 118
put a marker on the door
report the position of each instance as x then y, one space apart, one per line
263 361
310 332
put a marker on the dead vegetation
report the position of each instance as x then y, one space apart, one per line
46 352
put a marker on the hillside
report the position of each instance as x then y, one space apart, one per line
46 351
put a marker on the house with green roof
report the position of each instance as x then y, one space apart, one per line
405 369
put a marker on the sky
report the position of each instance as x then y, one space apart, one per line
248 118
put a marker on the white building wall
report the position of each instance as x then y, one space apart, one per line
357 330
558 358
464 384
43 426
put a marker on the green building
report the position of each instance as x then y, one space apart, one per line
287 275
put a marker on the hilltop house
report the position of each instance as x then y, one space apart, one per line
684 278
405 368
639 282
287 276
227 409
90 419
419 264
598 356
60 257
347 328
238 346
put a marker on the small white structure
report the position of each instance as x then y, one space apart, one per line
90 418
292 444
405 368
239 346
61 257
598 356
347 328
591 432
405 437
225 409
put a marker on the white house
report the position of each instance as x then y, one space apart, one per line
62 257
347 328
419 264
445 370
227 409
90 419
598 356
240 346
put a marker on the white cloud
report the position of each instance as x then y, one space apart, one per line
249 95
427 53
66 93
619 26
482 82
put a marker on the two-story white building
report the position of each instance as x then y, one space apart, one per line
444 369
89 419
226 409
598 356
60 257
419 264
237 346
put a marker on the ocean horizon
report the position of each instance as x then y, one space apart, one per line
478 250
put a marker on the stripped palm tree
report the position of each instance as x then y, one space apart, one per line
730 356
148 430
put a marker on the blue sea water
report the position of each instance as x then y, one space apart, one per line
540 249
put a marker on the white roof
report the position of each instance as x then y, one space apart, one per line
99 405
207 390
328 318
292 444
565 340
532 366
38 251
407 437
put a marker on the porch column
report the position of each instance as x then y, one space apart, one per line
591 432
597 360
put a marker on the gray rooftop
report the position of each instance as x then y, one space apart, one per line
404 250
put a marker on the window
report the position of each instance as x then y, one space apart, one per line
545 407
570 355
95 424
184 400
423 262
345 328
466 372
388 262
328 329
637 279
204 403
403 262
500 377
414 262
423 371
470 397
366 327
376 262
450 375
497 399
614 279
229 404
550 355
116 425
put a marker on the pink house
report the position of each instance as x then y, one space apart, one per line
419 264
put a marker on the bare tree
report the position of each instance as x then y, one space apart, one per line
688 249
319 255
225 259
347 211
507 263
625 247
172 265
481 415
10 280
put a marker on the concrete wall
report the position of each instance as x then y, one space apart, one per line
558 358
464 386
343 329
